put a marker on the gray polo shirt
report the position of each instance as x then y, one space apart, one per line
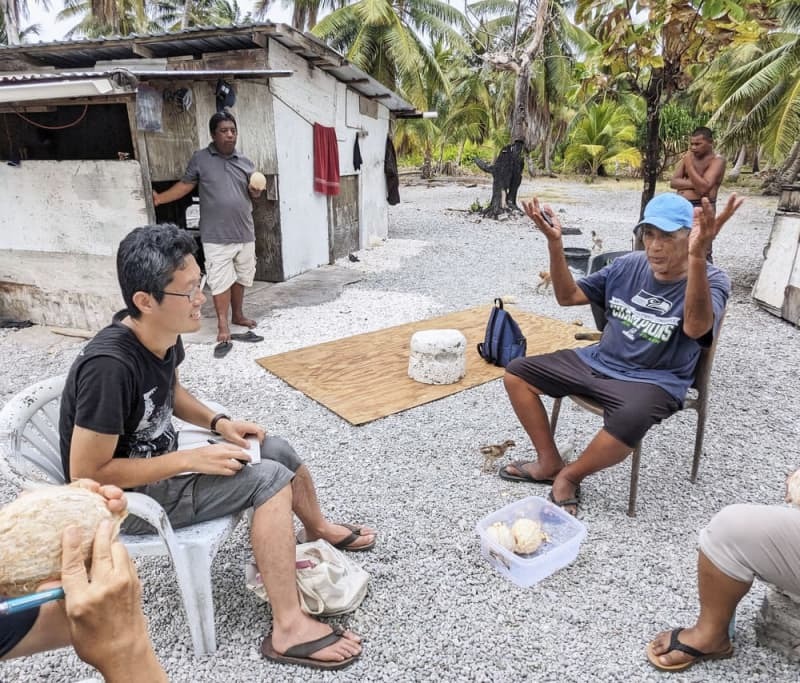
226 212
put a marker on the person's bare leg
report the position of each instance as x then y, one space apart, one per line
272 537
719 594
222 302
50 631
603 451
237 304
306 506
528 406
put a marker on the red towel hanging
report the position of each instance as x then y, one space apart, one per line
326 160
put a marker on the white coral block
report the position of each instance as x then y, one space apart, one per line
437 356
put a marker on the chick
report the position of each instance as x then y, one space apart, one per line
544 281
597 242
493 452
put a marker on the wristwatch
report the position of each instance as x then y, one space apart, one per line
217 418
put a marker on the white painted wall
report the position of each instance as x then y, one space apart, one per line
313 96
73 207
59 229
306 98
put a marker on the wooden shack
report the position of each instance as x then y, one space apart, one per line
90 127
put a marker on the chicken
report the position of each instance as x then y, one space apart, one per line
544 281
494 452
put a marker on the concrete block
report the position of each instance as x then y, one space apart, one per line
437 356
778 623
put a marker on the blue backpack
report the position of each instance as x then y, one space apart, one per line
504 340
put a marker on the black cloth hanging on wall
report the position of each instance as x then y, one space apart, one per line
390 171
357 160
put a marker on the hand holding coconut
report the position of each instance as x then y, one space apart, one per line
257 184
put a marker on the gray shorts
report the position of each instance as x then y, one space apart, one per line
745 541
199 497
629 408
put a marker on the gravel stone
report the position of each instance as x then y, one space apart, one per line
435 610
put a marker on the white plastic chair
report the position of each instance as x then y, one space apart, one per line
30 456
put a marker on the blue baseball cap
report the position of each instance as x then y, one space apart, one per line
668 212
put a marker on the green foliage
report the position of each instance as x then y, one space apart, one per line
604 137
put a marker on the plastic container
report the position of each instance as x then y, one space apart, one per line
565 534
577 258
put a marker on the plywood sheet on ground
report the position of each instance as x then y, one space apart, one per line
365 377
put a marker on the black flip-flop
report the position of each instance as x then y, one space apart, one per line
301 654
248 336
675 644
567 502
347 542
222 349
523 476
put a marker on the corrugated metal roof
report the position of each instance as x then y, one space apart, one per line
143 73
82 54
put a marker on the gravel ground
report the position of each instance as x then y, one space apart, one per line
435 609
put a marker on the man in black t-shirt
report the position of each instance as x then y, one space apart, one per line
116 427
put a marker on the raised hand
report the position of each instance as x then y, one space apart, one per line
703 229
731 207
544 217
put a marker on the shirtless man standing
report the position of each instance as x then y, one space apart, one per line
700 171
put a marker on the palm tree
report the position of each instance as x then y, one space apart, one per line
12 12
603 137
304 12
108 17
759 93
389 39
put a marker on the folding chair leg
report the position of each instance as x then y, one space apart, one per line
698 442
635 458
554 415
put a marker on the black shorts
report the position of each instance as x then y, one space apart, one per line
629 408
14 627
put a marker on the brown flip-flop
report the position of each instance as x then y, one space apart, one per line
347 541
675 644
300 655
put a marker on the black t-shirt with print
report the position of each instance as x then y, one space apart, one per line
117 386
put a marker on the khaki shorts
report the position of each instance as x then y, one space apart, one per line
227 264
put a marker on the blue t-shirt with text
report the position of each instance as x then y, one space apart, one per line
643 340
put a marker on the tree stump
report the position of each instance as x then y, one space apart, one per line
778 623
506 178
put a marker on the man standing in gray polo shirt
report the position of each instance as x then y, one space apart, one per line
226 224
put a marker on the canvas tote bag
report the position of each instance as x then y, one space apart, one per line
328 582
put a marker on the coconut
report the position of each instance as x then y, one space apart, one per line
528 535
258 181
501 534
31 529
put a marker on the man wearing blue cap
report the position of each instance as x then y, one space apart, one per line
662 305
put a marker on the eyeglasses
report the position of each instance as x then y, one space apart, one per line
191 296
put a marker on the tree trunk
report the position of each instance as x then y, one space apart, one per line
11 21
652 148
506 178
187 9
785 174
737 167
756 151
460 152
